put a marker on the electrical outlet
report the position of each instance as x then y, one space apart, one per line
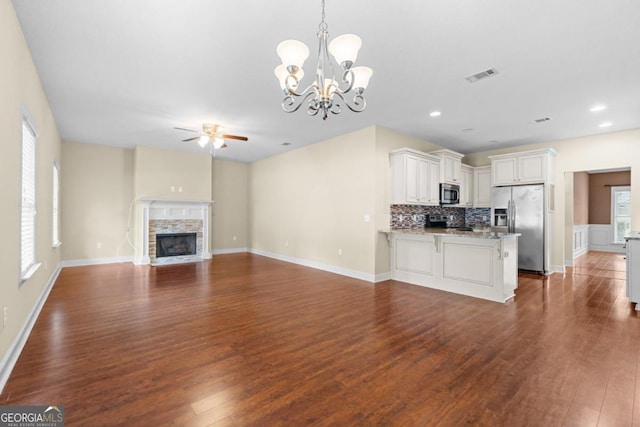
4 317
367 218
286 244
180 189
339 251
99 245
235 238
173 188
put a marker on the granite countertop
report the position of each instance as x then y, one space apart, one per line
633 235
452 232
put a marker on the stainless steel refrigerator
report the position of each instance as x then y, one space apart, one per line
520 209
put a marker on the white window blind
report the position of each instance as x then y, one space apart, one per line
28 225
56 204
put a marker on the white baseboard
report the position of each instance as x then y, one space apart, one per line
13 352
558 269
318 265
229 251
568 263
95 261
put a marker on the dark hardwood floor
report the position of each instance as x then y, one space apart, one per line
245 340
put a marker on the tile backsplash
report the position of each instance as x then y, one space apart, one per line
413 216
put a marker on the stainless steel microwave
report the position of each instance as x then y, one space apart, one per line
449 194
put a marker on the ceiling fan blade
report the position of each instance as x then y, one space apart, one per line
188 130
239 138
191 139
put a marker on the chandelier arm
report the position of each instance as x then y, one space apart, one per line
289 104
349 81
309 89
359 103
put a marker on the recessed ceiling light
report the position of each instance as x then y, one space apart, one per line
286 143
597 108
435 113
468 129
605 124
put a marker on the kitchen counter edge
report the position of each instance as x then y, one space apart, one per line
448 232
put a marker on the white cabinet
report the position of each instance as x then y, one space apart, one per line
475 266
450 166
482 187
529 167
466 186
414 178
632 242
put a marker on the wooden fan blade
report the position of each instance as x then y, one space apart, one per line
188 130
191 139
239 138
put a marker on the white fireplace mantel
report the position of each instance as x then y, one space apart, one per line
163 209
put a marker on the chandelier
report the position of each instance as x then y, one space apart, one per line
324 94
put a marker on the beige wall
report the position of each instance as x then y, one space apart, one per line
600 194
20 86
229 214
97 201
580 198
310 202
607 151
156 170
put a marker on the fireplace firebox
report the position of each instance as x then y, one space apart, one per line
176 244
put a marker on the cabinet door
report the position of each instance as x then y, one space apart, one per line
424 196
434 183
412 174
466 186
504 171
451 169
531 168
482 188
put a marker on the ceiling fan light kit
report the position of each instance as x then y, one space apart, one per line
324 94
212 135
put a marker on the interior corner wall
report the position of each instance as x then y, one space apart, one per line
583 154
97 201
20 87
388 140
309 204
229 213
580 198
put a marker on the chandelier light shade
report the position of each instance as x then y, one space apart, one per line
325 95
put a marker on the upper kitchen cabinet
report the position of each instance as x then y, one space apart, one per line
414 178
527 167
482 187
466 186
450 166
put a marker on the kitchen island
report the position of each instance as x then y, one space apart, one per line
478 264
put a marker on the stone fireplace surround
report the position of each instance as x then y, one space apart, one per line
173 216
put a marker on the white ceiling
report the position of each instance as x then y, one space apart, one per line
125 72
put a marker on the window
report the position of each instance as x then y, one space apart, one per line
620 212
56 205
28 205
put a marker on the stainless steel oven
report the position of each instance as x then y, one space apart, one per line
449 194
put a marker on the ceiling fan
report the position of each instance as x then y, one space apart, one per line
212 133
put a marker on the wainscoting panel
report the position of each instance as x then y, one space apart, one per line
580 240
601 239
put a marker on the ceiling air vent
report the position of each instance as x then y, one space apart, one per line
542 120
481 75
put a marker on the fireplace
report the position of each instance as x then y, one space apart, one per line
176 244
173 231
